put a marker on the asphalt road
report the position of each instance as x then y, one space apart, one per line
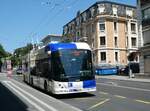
115 95
111 95
16 96
9 101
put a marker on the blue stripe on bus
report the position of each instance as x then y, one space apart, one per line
89 84
58 46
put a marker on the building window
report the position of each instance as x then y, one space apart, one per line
133 41
116 56
133 28
101 8
127 42
116 41
146 13
93 27
84 16
126 27
103 56
77 21
102 27
115 10
102 40
115 26
129 12
92 11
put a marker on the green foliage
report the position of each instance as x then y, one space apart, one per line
19 52
2 52
23 50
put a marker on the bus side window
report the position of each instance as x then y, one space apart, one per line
33 71
45 68
38 67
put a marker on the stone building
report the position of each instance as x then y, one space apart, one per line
110 29
144 22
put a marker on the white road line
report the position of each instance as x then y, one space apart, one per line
105 93
141 101
60 102
132 88
38 100
98 104
27 99
118 96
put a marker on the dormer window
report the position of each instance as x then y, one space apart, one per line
101 8
65 30
92 11
77 21
115 10
84 16
129 12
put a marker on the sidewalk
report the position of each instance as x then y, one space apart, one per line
116 77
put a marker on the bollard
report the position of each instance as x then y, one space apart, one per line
130 73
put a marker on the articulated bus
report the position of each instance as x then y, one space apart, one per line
60 68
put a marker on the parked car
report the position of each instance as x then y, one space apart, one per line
105 69
19 70
134 66
120 69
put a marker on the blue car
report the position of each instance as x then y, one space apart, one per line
106 69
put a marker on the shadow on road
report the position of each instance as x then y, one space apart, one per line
9 101
70 96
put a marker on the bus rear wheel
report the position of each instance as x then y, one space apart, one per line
31 81
45 86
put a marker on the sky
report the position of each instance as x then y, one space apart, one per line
26 21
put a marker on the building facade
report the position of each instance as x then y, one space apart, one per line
110 29
144 21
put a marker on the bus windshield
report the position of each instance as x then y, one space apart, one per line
72 64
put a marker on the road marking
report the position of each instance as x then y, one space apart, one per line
105 93
53 99
141 101
98 104
118 96
27 99
132 88
112 83
83 98
38 100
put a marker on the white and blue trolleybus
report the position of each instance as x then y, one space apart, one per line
61 68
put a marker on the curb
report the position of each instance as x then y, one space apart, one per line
114 77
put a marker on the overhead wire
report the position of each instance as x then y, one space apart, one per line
60 11
47 19
33 33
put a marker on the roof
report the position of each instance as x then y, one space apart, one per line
100 2
57 46
50 36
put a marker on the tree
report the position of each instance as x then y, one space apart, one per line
16 58
2 52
